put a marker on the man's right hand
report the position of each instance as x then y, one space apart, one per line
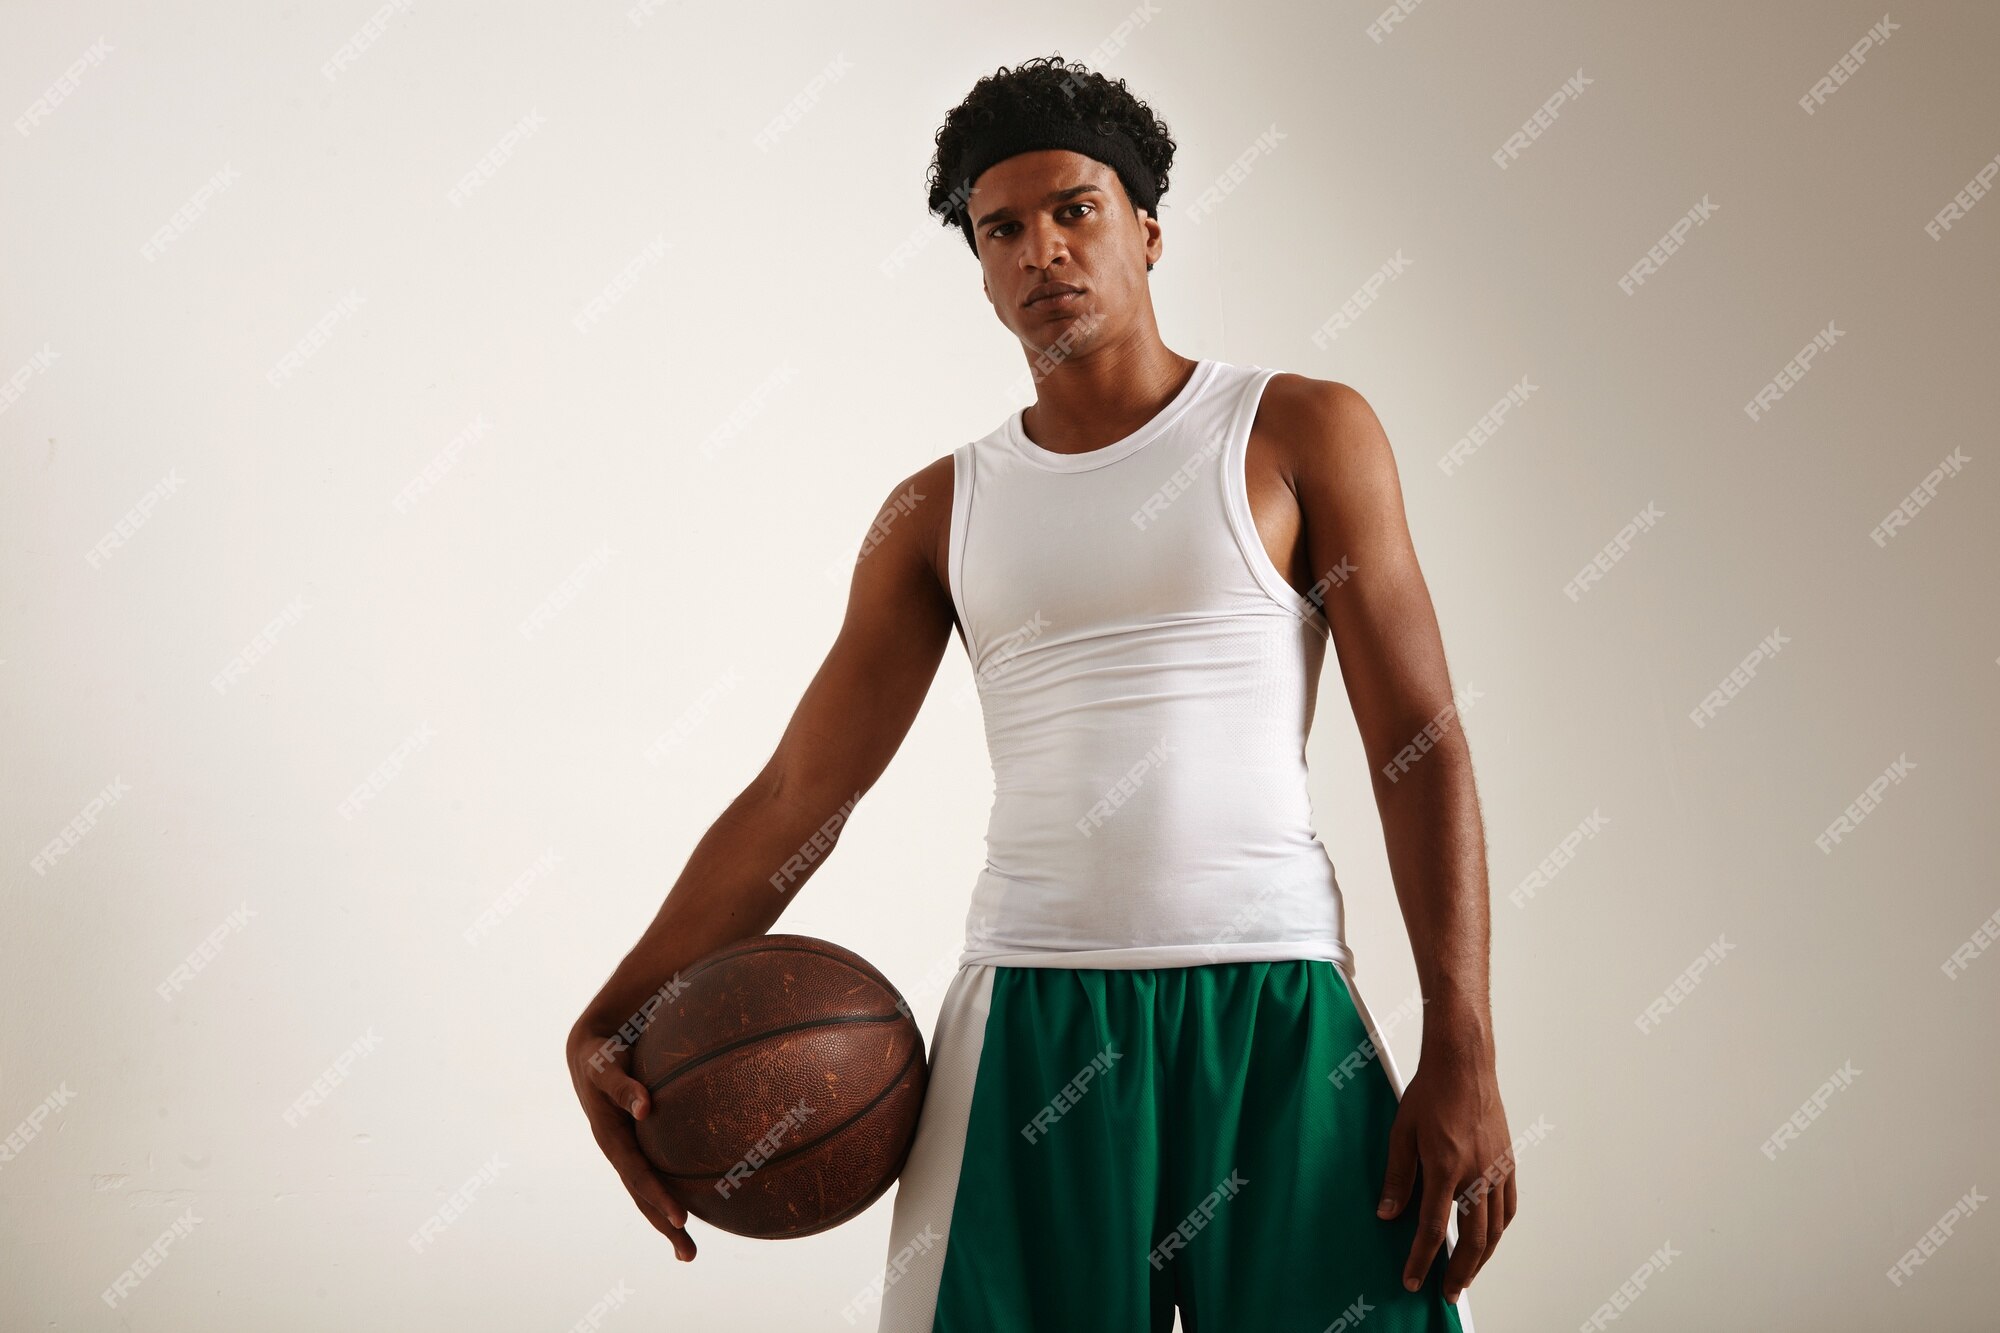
600 1070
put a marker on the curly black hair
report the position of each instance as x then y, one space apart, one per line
1041 87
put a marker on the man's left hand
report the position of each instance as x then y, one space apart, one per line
1451 1121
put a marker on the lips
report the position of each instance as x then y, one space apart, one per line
1050 290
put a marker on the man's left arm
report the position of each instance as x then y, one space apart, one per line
1392 660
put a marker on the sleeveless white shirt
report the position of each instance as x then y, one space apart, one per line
1148 678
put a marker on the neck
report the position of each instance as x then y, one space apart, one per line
1090 400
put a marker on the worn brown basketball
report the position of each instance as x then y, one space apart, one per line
785 1079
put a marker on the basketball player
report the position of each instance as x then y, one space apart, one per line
1154 1086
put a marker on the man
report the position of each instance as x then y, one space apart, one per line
1153 1084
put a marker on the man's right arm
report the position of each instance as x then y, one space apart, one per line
779 830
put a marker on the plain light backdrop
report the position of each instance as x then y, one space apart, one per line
434 440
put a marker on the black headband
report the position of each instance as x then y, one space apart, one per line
1114 148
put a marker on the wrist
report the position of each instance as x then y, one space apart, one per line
1458 1023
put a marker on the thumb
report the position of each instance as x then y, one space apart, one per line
631 1094
1402 1172
610 1078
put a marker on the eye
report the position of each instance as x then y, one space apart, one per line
994 232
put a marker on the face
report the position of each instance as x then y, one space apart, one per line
1057 217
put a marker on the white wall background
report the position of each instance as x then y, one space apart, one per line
699 463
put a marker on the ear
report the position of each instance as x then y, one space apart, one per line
1156 241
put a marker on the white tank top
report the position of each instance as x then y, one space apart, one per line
1148 679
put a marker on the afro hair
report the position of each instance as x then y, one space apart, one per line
1039 88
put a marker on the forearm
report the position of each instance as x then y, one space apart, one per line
740 877
1437 858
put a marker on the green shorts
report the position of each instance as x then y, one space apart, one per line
1100 1147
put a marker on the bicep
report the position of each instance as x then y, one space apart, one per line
862 701
1383 625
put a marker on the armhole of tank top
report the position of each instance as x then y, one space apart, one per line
961 513
1236 502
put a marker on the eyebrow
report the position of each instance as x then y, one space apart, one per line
1054 197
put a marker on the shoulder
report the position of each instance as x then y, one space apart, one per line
915 516
1321 423
1315 405
919 502
929 483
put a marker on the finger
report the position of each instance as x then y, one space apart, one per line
607 1073
642 1180
1471 1248
684 1247
1513 1199
637 1173
1402 1169
677 1232
1432 1219
618 1139
646 1185
1496 1224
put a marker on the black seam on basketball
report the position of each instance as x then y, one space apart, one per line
766 1035
863 1205
796 1149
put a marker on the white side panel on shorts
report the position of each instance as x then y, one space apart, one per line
920 1226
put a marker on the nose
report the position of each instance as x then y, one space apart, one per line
1042 245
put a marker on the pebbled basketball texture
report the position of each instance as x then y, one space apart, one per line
786 1080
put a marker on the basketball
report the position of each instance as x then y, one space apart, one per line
785 1079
